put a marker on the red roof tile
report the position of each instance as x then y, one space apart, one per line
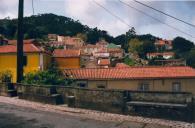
14 42
27 48
66 53
132 73
115 50
163 42
104 62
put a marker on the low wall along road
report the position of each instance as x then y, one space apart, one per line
149 104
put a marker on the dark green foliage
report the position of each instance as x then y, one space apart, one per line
182 45
146 47
6 76
129 61
191 58
184 49
52 76
38 26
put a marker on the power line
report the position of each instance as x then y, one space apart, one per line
165 13
156 19
33 7
107 10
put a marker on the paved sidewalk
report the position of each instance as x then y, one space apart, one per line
119 121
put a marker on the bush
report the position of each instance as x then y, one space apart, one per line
52 76
6 76
129 61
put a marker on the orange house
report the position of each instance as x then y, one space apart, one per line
67 58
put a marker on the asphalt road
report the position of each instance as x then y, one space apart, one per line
19 117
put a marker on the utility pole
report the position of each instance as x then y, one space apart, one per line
20 42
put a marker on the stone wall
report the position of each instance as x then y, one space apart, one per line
44 94
165 97
103 100
176 106
7 89
164 104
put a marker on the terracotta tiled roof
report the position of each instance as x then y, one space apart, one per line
163 42
115 50
27 48
90 46
122 65
132 73
104 62
66 53
14 42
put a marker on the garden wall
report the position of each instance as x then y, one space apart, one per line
175 105
151 104
104 100
44 94
7 89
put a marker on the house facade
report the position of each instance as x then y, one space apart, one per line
163 45
67 58
165 55
164 79
35 59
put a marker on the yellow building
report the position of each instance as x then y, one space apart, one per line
166 79
67 58
35 58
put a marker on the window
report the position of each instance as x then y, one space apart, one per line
82 85
24 60
101 86
176 87
143 87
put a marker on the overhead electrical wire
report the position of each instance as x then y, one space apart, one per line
108 11
185 22
176 29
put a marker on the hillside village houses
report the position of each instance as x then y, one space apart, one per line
163 45
165 55
91 67
163 48
91 55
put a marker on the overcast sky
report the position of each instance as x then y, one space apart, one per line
89 13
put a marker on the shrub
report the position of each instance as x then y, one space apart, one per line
52 76
6 76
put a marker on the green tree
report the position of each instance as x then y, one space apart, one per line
82 36
191 58
135 46
146 47
182 45
129 61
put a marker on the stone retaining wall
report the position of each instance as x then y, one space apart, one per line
114 101
44 94
7 89
104 100
175 105
165 97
